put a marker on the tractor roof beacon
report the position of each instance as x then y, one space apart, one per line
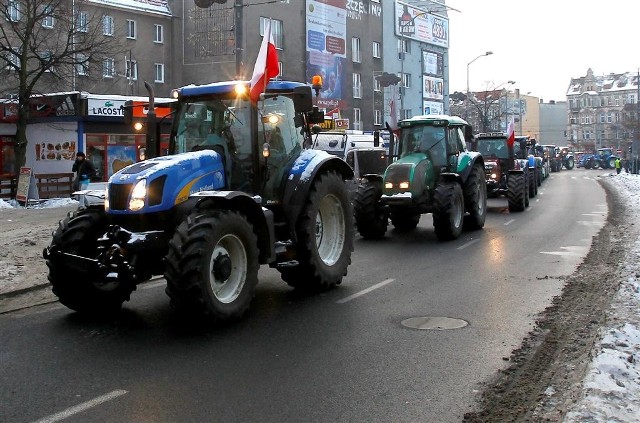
432 171
237 190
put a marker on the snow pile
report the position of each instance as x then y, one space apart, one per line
611 388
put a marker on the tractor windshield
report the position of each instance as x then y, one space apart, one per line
424 139
216 122
493 147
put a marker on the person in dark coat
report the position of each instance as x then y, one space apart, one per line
84 172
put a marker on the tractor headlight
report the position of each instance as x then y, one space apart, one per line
138 195
388 185
494 176
403 185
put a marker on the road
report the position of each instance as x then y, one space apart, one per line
345 355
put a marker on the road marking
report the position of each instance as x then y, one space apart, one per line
572 251
365 291
509 222
82 407
473 241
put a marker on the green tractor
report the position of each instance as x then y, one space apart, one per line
434 172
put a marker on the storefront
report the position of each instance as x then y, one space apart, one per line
62 124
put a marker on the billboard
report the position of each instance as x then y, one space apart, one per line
420 26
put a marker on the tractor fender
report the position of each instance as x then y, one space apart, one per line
261 218
451 177
302 175
466 163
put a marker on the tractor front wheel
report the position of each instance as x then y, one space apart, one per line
371 219
448 211
88 292
212 265
475 199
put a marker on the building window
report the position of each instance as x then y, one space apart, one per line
406 80
377 117
48 20
610 117
159 72
13 10
81 22
376 49
13 61
276 30
82 67
357 119
355 50
158 34
131 29
376 85
45 58
107 25
601 117
403 48
108 68
405 114
357 86
617 100
131 70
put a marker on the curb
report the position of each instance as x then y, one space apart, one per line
21 291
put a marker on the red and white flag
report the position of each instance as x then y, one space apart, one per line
266 66
511 134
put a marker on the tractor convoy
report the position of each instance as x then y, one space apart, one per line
248 183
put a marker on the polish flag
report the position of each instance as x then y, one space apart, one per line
266 66
511 134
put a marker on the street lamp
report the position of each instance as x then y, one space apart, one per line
506 106
466 107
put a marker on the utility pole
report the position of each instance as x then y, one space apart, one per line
237 9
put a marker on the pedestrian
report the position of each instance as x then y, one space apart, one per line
618 165
84 172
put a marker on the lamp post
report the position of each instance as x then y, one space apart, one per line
506 106
466 107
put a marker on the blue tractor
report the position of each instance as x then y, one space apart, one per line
603 158
237 190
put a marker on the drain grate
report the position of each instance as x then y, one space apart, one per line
434 323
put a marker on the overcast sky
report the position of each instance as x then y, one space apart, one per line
541 44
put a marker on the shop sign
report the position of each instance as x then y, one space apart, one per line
105 107
53 105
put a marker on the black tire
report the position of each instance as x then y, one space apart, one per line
85 292
516 193
539 177
371 219
212 265
404 220
448 210
570 163
324 236
475 199
611 163
533 185
588 164
595 164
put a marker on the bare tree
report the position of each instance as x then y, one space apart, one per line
483 109
44 44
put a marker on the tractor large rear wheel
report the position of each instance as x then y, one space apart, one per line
324 235
212 265
88 292
475 199
448 210
371 219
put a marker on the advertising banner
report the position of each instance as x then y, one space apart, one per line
420 26
433 87
432 108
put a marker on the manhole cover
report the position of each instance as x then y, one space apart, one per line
434 323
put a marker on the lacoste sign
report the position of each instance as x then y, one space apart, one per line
109 108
